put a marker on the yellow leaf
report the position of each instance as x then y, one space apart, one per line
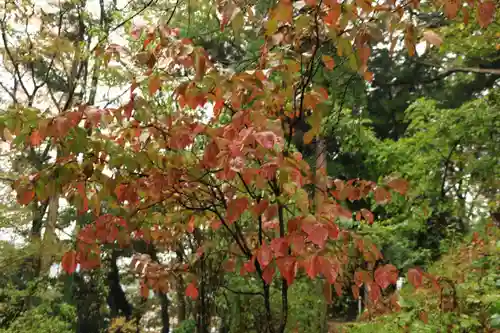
309 136
271 27
328 61
237 23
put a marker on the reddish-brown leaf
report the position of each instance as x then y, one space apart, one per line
374 292
279 247
355 291
386 275
192 291
311 266
399 185
268 273
264 255
415 277
286 266
451 8
381 195
259 208
367 215
423 316
329 269
68 262
235 208
486 12
316 233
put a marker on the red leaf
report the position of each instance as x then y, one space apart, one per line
329 270
386 275
235 208
250 265
68 262
415 277
316 233
268 273
333 230
311 266
192 291
264 255
297 242
35 138
399 185
259 208
286 266
279 247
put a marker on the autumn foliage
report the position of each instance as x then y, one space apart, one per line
242 178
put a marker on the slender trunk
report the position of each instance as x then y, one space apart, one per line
49 238
320 174
165 318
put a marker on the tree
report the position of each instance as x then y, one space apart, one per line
237 177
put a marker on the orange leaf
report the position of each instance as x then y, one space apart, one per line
68 262
25 196
328 61
192 291
190 225
154 84
144 290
